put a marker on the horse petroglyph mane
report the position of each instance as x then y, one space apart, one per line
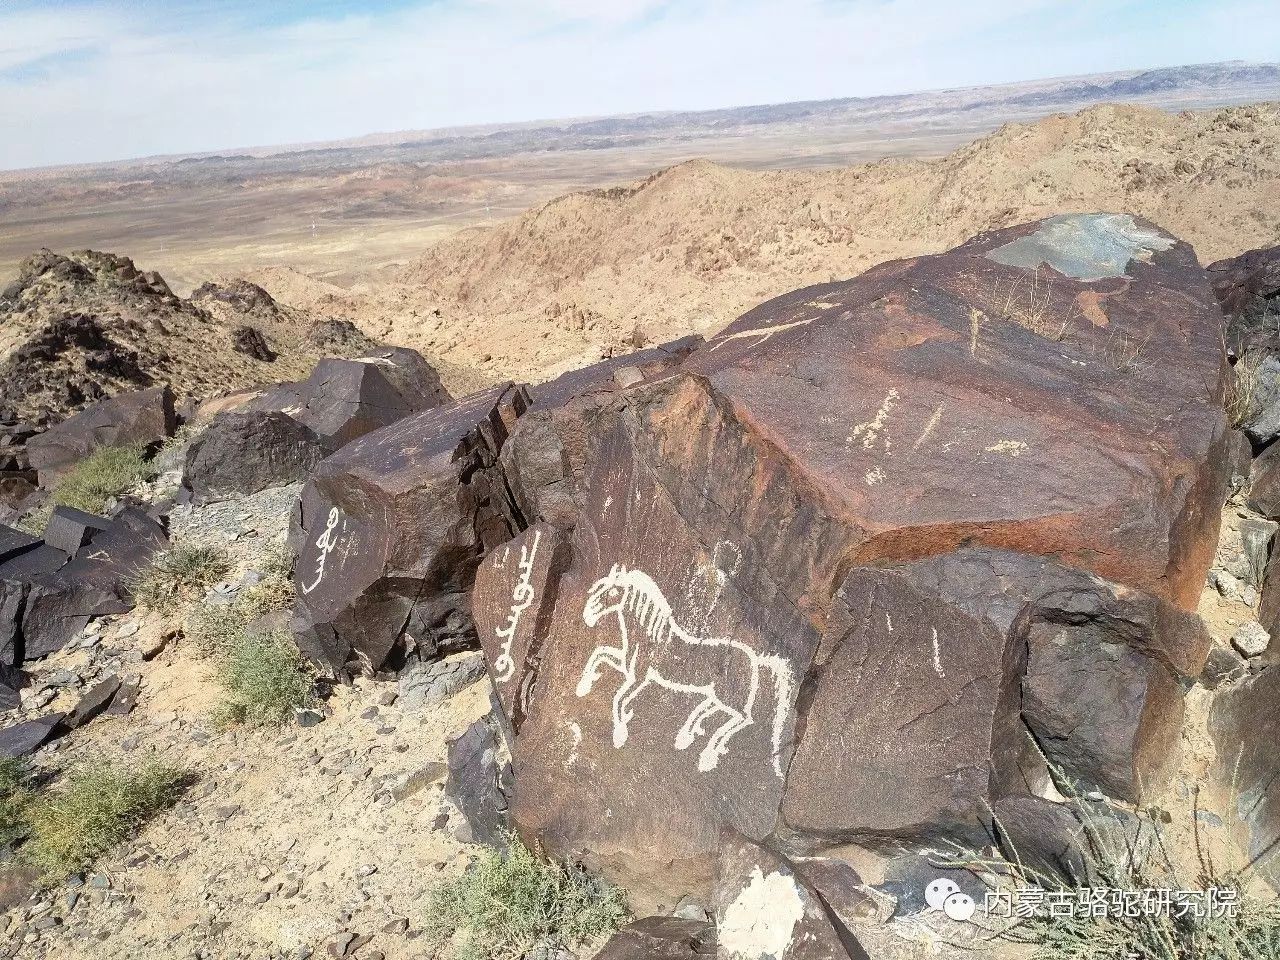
652 651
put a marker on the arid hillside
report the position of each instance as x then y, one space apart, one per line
693 246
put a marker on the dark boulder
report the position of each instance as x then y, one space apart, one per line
25 738
816 573
1264 487
346 399
479 781
390 529
1245 726
250 341
241 453
765 910
93 703
95 582
547 456
140 418
12 680
70 529
16 576
518 578
1248 287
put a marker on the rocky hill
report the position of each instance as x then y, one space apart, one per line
691 247
78 328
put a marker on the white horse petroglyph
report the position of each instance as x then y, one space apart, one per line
655 649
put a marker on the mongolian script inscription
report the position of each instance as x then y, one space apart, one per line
504 667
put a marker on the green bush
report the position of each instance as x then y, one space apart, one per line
14 801
104 474
216 629
265 679
506 907
99 806
179 575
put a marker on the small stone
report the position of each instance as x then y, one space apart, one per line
307 717
99 881
1227 585
368 870
127 629
1251 639
396 925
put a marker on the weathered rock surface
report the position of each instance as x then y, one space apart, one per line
346 399
478 782
12 681
391 528
139 418
516 579
766 911
69 529
661 938
29 736
93 583
1245 725
546 457
864 538
240 453
1248 287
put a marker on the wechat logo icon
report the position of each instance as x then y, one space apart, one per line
945 895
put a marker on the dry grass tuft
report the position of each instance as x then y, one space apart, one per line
513 905
180 575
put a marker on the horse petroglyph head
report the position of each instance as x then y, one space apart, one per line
606 596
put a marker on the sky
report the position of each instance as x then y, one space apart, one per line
108 80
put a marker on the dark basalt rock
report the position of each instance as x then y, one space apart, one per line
390 530
69 529
250 341
141 418
95 582
661 938
25 738
346 399
241 453
547 456
833 552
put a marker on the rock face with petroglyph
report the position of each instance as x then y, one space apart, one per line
770 601
390 530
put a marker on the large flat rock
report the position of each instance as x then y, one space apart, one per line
842 544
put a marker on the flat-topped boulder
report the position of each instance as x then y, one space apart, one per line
832 551
139 418
390 529
345 399
242 452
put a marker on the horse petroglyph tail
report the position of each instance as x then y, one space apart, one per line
504 667
654 649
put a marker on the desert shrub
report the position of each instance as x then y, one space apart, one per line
99 806
1128 856
508 905
264 678
216 629
180 575
1242 387
14 800
104 474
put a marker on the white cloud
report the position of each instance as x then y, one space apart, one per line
158 81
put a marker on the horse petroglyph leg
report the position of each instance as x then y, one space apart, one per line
653 653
